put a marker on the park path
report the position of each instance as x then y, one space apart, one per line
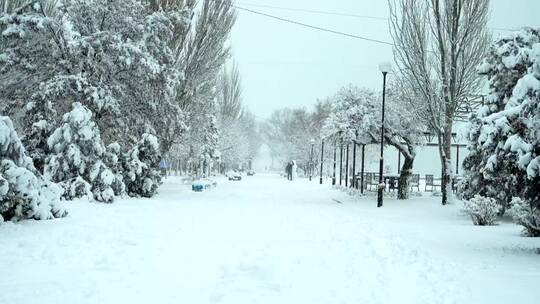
260 240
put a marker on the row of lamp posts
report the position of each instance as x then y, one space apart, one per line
385 68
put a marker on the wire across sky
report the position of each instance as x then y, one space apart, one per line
240 5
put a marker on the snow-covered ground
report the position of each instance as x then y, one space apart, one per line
265 240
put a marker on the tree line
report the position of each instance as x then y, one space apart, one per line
100 91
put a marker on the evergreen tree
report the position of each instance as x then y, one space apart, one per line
141 167
24 193
504 145
76 159
113 160
504 159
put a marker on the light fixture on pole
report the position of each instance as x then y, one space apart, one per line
385 68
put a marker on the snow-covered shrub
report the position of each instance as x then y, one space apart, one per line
504 145
75 162
482 210
35 143
112 159
24 193
526 214
141 164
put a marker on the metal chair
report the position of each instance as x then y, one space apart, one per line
392 183
368 181
376 181
437 183
357 180
455 183
429 183
415 182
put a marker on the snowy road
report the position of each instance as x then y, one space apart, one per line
265 240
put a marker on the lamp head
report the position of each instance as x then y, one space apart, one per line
385 67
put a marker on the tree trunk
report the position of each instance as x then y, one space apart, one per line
445 150
409 153
404 178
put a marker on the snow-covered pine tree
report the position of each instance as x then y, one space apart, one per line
36 143
527 214
141 167
24 193
113 160
504 141
76 159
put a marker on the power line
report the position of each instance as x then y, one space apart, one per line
335 13
312 26
322 12
305 24
311 11
503 29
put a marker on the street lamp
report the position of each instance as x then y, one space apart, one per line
335 160
385 68
312 142
322 160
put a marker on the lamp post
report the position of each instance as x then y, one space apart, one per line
335 160
354 184
322 160
347 166
362 170
340 161
385 68
312 142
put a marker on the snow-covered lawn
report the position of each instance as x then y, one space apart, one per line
265 240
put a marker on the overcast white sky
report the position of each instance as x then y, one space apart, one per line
285 65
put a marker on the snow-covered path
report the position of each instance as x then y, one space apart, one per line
265 240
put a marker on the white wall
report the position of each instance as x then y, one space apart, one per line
427 160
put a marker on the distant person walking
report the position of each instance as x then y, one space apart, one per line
288 170
294 173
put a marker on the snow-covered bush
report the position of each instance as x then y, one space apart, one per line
141 164
504 145
112 159
75 162
526 214
36 143
24 193
482 210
